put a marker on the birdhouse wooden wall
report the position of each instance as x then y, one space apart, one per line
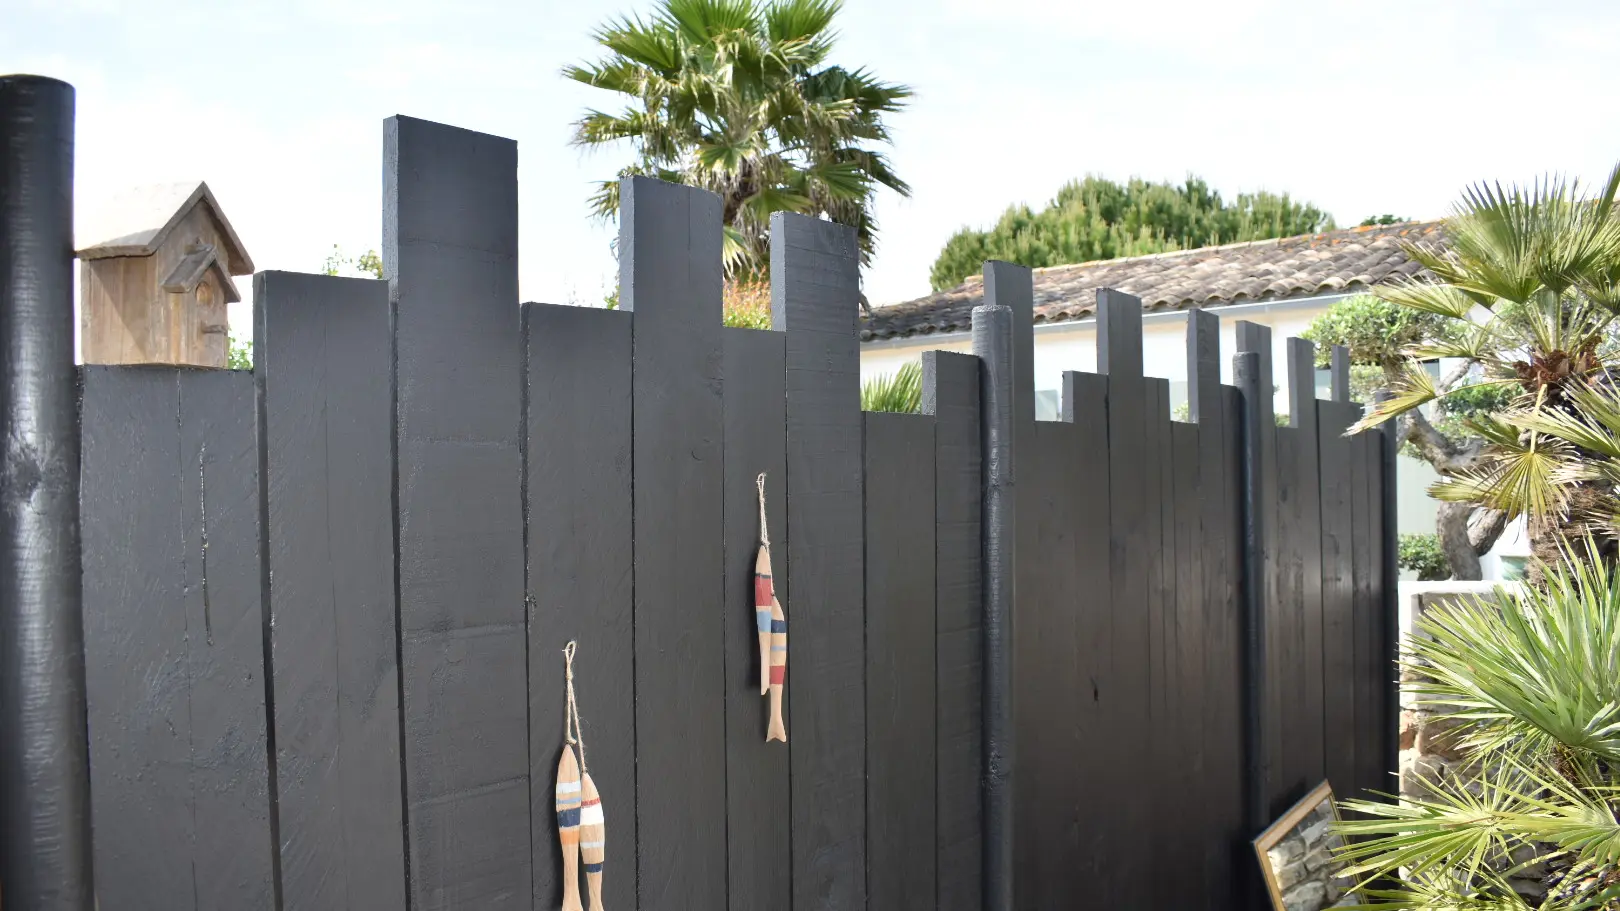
160 294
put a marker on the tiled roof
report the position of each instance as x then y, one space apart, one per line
1353 259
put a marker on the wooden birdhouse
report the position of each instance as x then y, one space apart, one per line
155 282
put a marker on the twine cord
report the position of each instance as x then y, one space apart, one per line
572 732
764 532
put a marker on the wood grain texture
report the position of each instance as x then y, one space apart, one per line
1191 774
174 642
321 351
669 260
900 662
1309 756
759 858
1286 623
450 254
1049 688
951 395
577 506
814 289
1338 640
1127 690
1223 666
1163 738
1089 506
1261 429
1362 609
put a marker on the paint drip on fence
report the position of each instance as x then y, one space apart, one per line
581 827
772 623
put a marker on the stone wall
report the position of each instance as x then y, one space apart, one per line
1304 865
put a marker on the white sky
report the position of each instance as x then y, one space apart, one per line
1360 108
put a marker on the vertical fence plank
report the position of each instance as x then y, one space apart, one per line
814 289
1047 675
760 851
1227 667
951 394
1085 406
1338 640
900 662
1260 571
1307 506
1389 609
45 837
1127 687
669 258
1362 559
1285 625
1163 732
174 640
1192 824
325 413
450 249
1214 667
577 509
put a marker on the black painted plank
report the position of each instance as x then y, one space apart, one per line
1362 559
759 857
814 279
1224 750
900 663
951 394
450 252
1126 689
1085 406
1381 619
1338 642
578 513
1287 623
669 259
1186 527
1308 550
1047 790
325 419
1260 416
174 642
1164 732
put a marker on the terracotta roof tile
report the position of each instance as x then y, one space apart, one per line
1353 259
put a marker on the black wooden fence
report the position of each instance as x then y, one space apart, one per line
324 603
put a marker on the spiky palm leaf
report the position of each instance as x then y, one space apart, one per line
736 97
1534 678
899 391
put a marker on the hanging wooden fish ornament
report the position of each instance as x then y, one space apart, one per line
568 800
764 593
592 840
588 835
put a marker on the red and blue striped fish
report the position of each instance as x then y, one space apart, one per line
568 814
778 727
764 598
592 840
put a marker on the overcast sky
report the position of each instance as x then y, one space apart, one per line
1361 108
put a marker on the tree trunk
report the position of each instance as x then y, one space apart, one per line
1451 523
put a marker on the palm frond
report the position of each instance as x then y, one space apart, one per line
1411 389
899 391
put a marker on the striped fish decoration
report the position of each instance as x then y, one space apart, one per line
764 599
592 840
568 813
778 729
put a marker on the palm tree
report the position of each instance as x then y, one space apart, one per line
1528 285
736 97
898 391
1533 678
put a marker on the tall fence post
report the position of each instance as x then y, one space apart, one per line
1253 385
993 343
44 754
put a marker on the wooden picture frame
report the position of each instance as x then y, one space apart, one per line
1296 855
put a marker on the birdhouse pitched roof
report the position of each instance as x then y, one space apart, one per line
198 262
138 222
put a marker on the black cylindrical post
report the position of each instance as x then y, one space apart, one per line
993 343
44 762
1246 372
